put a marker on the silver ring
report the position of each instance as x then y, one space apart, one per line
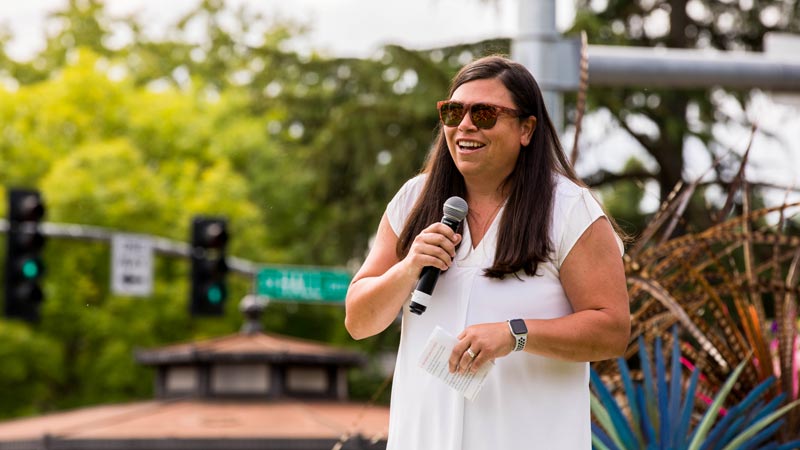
471 353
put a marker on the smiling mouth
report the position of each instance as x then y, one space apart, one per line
469 146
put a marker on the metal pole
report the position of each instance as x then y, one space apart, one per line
161 245
690 68
554 62
536 47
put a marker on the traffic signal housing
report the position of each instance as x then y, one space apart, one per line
24 245
208 290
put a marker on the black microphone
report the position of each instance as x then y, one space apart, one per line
455 210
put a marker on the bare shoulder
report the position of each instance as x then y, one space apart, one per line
599 242
593 274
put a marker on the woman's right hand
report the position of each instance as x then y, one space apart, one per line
435 246
383 283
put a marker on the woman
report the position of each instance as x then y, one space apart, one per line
533 283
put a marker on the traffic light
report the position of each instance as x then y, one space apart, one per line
208 291
24 267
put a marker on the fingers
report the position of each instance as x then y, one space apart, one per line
468 360
486 341
435 246
460 360
466 356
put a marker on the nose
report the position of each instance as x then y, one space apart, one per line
466 123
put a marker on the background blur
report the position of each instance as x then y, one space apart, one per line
298 121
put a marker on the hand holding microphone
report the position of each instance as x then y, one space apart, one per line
455 210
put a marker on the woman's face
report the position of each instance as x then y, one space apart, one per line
487 155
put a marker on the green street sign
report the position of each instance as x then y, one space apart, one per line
303 284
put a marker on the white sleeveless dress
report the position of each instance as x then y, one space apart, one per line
527 401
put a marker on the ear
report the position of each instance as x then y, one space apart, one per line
527 126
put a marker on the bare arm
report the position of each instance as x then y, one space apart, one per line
593 278
383 283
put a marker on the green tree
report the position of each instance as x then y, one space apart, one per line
101 160
623 200
300 152
677 115
31 363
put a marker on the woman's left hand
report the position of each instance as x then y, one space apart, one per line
480 344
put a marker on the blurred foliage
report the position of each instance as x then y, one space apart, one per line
664 120
624 198
124 130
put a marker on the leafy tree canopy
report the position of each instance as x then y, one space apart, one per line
663 121
299 152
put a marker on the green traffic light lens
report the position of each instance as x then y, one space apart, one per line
214 294
31 269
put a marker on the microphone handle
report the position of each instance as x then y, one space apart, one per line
430 274
428 278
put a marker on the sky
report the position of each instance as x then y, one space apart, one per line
360 27
342 27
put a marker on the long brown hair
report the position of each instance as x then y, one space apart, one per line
524 232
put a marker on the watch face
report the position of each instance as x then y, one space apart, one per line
518 326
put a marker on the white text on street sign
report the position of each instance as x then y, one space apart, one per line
303 284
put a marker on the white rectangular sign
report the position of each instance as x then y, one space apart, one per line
131 265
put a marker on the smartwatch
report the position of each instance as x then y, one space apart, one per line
520 333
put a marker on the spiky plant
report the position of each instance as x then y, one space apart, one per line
659 410
732 287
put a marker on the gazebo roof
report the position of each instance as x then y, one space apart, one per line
216 423
250 347
228 422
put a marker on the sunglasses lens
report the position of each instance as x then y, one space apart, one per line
451 113
483 116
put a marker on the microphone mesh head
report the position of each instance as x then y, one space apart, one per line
455 208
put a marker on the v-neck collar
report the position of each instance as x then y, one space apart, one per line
483 253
